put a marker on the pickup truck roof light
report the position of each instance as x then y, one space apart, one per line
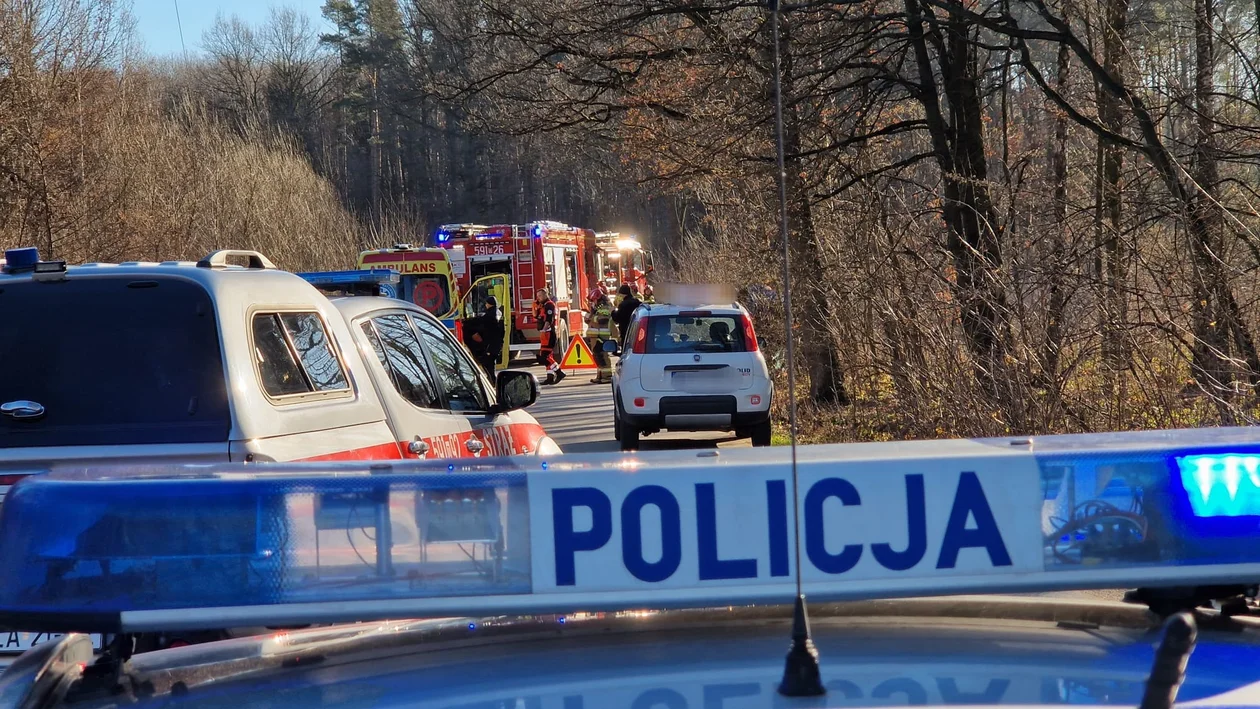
19 260
26 260
112 549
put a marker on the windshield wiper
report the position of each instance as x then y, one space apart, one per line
1169 668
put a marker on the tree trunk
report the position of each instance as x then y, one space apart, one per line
973 240
1210 357
1057 263
374 157
1114 253
818 347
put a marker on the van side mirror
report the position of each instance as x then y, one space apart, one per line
515 389
609 346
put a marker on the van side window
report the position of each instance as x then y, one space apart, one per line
458 375
294 355
399 352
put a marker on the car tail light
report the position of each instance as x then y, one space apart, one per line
750 335
640 338
11 479
755 399
640 402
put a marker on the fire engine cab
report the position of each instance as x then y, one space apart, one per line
551 255
621 260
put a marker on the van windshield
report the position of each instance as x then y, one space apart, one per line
112 360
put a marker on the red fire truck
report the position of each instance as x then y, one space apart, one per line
551 255
622 260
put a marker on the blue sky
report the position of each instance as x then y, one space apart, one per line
155 19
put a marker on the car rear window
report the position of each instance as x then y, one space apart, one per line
112 361
695 333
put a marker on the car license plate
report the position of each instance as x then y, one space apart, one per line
15 643
704 381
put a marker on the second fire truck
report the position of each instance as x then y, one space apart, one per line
551 255
621 260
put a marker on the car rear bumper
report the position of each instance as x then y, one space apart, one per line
697 413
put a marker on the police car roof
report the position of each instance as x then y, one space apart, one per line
977 651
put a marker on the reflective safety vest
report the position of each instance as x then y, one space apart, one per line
600 324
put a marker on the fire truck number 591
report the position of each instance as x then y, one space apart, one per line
487 249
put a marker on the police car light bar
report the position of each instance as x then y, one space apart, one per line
375 281
226 546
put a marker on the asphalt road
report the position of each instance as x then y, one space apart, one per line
578 415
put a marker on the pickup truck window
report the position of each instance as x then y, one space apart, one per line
310 340
456 372
113 360
294 356
400 354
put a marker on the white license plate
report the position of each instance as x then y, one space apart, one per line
711 381
15 643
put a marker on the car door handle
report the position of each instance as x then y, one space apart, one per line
418 446
474 446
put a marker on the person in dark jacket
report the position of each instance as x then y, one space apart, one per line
625 311
490 331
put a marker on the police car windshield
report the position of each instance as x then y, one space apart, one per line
668 334
112 361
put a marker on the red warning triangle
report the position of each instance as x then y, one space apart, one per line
578 356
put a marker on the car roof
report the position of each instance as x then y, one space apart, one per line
976 651
715 308
355 306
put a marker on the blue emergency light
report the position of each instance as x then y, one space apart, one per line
376 281
210 546
18 260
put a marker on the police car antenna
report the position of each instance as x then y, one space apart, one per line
800 671
1169 669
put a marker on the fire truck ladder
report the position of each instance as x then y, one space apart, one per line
523 275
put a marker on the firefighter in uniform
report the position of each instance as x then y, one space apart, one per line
599 330
647 295
545 312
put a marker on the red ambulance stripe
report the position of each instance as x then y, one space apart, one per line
520 438
382 451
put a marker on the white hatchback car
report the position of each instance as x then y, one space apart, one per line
691 368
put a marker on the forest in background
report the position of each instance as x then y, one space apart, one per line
1007 216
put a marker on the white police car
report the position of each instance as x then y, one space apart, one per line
541 573
691 368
